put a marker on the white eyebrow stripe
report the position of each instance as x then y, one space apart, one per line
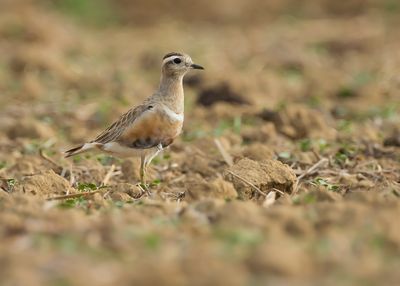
170 58
172 114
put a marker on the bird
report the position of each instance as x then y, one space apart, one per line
148 128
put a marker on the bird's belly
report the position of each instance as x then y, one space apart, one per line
120 150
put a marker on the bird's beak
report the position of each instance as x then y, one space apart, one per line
196 67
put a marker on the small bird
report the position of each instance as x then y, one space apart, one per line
148 128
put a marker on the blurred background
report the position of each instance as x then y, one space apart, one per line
294 81
340 57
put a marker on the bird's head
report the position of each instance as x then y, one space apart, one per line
178 64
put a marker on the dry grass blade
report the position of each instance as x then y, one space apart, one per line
177 179
227 157
51 161
247 182
71 175
309 171
72 196
279 191
108 176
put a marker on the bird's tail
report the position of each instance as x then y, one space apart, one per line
79 149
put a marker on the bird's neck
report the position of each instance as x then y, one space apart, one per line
171 92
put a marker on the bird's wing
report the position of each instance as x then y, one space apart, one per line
119 127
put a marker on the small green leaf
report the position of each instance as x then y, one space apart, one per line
86 187
155 182
345 125
305 145
105 160
237 124
67 204
152 241
285 155
322 144
3 164
11 183
322 182
340 158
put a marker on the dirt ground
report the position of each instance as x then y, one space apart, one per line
287 171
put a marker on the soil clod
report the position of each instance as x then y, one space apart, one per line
222 92
267 175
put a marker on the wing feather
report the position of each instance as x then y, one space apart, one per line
115 130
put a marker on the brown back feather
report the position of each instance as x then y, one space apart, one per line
115 130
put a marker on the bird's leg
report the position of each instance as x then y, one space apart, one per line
145 161
142 172
143 167
151 156
159 148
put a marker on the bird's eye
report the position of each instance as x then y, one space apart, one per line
177 60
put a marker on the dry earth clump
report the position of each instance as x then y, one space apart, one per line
248 176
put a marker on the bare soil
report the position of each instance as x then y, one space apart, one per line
287 172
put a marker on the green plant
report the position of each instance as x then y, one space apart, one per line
322 182
305 145
86 187
73 203
152 241
155 183
345 125
322 144
285 155
3 164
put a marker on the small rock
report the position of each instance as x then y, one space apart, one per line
267 175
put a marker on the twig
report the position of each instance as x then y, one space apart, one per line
71 196
177 179
48 159
312 168
141 189
309 171
71 176
316 154
279 191
227 157
247 182
108 175
63 172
